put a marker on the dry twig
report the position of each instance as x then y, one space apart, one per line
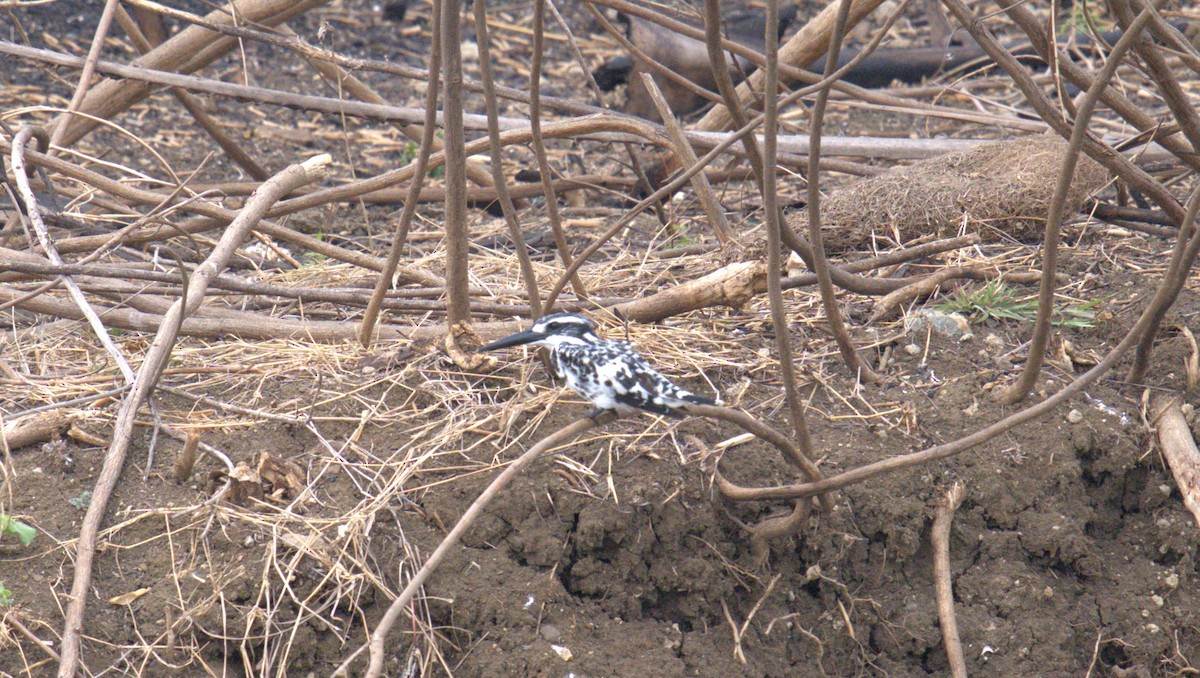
1179 449
940 537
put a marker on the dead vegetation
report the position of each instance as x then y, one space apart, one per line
1002 186
301 358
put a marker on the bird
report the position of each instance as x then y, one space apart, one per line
609 373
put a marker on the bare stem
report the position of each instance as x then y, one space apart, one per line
384 283
497 155
1041 325
940 537
458 303
820 265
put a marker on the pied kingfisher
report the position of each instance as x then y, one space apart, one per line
609 373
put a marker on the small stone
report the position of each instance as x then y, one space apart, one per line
1152 628
1165 489
912 349
248 541
1158 600
952 325
550 633
1172 580
1047 593
470 51
1075 416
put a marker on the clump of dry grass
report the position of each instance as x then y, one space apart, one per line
1000 190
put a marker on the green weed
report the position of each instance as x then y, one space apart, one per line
409 154
996 301
11 526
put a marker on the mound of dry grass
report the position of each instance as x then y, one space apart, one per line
1000 190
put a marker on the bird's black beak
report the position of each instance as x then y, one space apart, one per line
518 339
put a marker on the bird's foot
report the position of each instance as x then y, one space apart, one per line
600 416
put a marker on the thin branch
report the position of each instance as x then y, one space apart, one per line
1112 97
189 102
1054 217
820 265
34 213
940 537
794 455
1102 153
392 262
684 150
539 145
189 50
1157 68
1183 256
458 237
360 90
774 220
482 39
85 77
1161 299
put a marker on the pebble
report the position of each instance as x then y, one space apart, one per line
470 51
952 325
1075 416
550 633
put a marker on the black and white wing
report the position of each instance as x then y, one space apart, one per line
636 384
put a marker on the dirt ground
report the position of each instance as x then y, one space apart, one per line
1072 554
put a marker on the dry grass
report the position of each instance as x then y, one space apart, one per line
374 429
391 433
1003 189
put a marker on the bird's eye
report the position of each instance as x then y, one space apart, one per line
554 325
